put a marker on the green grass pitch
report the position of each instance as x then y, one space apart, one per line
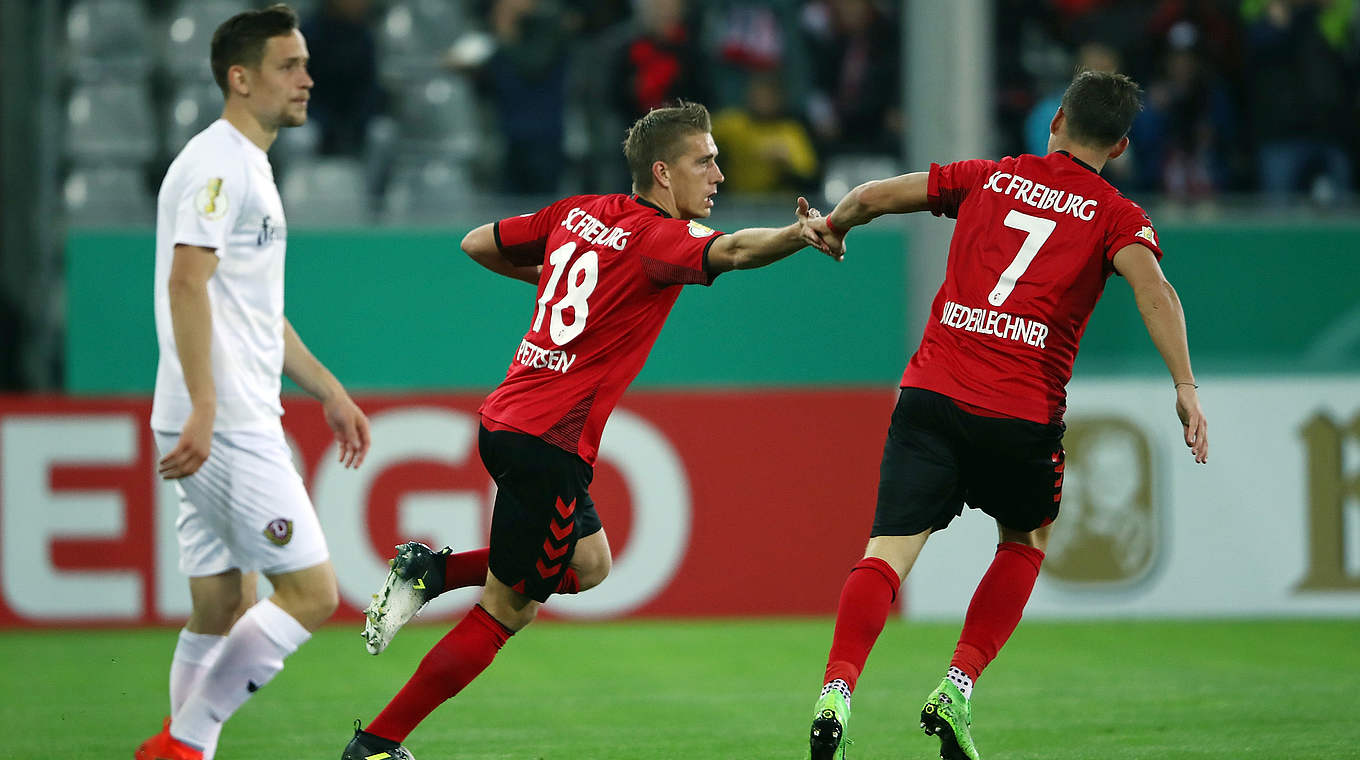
733 689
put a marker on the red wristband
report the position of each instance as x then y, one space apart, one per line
832 227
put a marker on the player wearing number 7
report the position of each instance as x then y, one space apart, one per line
608 269
980 416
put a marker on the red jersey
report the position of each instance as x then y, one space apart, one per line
612 265
1030 255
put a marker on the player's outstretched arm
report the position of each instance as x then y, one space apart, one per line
902 194
191 321
756 247
480 244
342 414
1165 320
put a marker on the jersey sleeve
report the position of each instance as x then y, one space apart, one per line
1131 225
523 239
675 252
948 185
209 204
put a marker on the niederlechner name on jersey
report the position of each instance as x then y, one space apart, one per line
541 358
998 323
1041 196
592 230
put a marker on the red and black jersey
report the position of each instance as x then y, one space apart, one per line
1030 255
612 265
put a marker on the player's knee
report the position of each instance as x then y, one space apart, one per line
311 604
214 618
315 608
513 616
594 573
327 602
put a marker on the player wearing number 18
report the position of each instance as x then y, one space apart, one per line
608 269
980 416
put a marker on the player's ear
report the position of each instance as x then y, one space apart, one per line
1056 124
661 175
237 80
1120 147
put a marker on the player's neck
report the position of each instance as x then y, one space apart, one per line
662 199
1090 156
247 124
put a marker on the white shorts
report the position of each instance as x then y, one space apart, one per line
245 508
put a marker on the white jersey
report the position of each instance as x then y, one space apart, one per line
219 193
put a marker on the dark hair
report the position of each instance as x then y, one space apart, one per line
240 40
1100 107
657 137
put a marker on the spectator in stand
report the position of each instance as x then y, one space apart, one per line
526 79
660 60
344 64
1302 96
1191 115
767 150
854 105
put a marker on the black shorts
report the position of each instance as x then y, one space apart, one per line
543 508
937 457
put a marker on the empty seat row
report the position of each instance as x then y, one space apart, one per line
108 39
325 192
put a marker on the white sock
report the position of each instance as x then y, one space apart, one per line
194 654
252 655
838 685
961 680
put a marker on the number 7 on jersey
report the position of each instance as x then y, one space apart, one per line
1037 230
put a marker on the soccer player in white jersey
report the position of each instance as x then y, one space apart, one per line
220 235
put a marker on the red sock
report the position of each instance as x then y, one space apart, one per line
469 569
997 606
466 569
868 593
450 665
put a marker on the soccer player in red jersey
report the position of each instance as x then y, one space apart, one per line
980 416
608 269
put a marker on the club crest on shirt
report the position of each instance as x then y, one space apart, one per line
1147 234
279 531
698 230
211 202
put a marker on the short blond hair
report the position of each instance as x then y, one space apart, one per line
659 136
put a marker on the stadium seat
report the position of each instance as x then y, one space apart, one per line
189 34
107 39
430 192
110 121
843 173
415 34
438 115
325 192
192 107
109 195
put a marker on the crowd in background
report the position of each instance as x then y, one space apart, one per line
532 96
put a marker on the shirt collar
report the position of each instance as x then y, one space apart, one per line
659 211
1079 162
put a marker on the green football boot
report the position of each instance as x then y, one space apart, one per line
830 719
948 715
